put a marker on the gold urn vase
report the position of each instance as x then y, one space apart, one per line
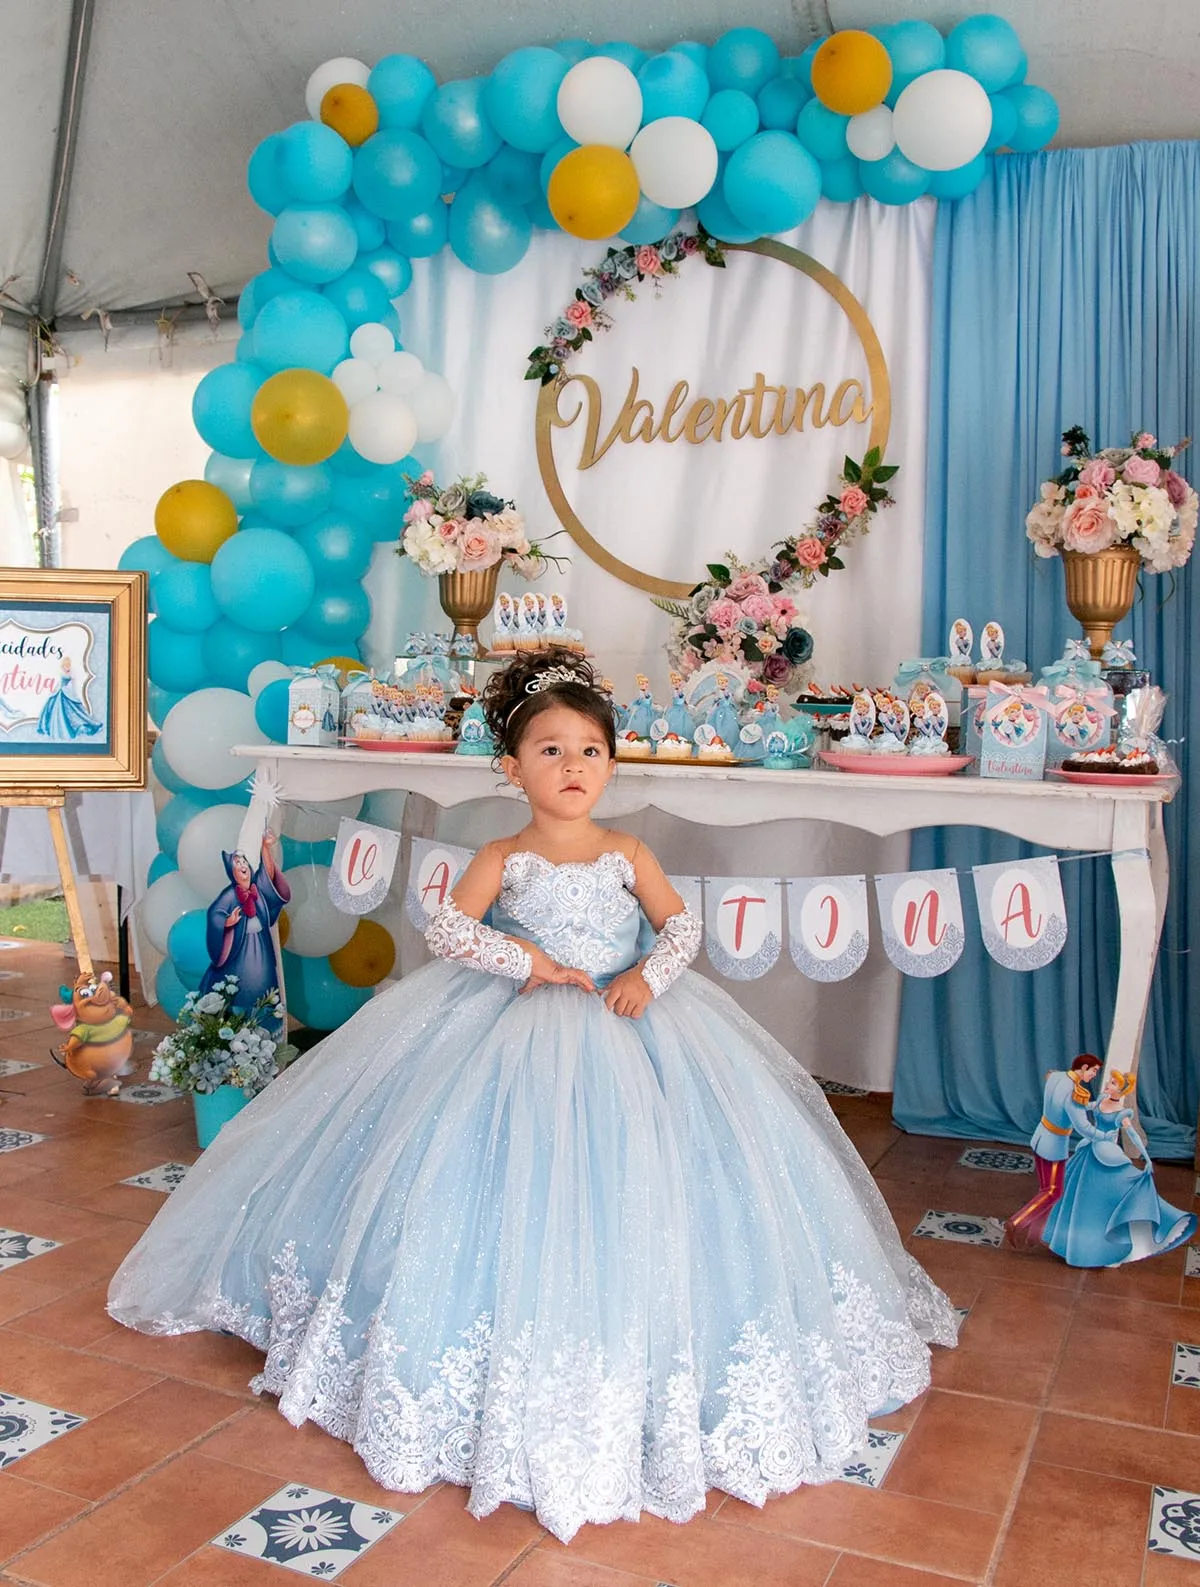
1100 590
467 598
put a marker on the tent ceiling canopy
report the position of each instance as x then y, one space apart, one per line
175 95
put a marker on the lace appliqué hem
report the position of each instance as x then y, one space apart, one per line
676 945
453 935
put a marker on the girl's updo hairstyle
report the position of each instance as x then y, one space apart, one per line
514 698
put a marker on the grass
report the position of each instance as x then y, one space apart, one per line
37 920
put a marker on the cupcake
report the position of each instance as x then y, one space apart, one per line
715 752
631 747
672 747
965 672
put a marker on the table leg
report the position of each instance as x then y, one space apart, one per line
70 893
122 944
1141 881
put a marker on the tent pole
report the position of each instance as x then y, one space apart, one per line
42 406
66 143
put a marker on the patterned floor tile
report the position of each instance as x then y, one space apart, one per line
963 1312
1175 1524
148 1094
25 1426
14 1013
963 1227
837 1088
996 1161
17 1247
8 943
870 1468
166 1177
1187 1366
10 1066
314 1533
12 975
14 1140
1192 1265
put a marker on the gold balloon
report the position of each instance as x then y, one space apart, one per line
367 957
851 72
194 519
299 416
351 112
285 928
593 191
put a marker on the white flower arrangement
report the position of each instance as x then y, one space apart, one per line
215 1044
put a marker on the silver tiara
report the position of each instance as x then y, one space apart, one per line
547 680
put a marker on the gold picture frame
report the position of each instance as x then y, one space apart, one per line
72 682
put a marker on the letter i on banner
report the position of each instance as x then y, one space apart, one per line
828 928
1021 912
743 919
363 862
432 871
921 916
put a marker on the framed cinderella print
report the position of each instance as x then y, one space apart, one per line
72 680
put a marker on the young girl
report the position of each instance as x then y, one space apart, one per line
553 1219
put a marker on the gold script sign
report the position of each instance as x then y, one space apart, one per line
757 410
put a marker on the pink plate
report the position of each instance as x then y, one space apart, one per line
1111 779
400 746
896 765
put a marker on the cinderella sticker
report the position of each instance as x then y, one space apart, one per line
54 679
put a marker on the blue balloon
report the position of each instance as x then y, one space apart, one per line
574 50
315 242
161 766
822 131
1004 122
672 84
171 820
359 296
772 182
338 546
1037 117
316 997
347 461
743 58
263 176
512 176
315 163
521 98
800 66
488 236
397 174
731 117
695 52
147 555
232 475
422 235
540 213
337 614
960 181
556 152
169 989
260 289
300 649
391 269
780 102
296 853
369 229
187 942
453 177
400 85
986 47
231 653
650 223
159 702
915 47
244 348
290 494
457 125
841 180
628 54
183 597
221 408
719 220
262 579
894 179
176 658
378 499
271 710
300 329
161 865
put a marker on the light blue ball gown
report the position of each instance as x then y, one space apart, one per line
584 1264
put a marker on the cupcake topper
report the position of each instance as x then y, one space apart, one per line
991 642
862 715
961 641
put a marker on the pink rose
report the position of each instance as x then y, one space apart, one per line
1176 487
419 510
1141 471
647 260
810 553
776 668
1145 441
780 627
760 607
578 314
853 501
479 547
1098 474
450 529
746 584
724 613
1088 526
766 643
426 478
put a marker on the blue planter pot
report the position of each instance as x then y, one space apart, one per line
214 1109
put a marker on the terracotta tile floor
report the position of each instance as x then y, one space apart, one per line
1034 1459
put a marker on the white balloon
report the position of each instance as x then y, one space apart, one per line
199 733
344 69
164 901
372 341
316 926
14 441
600 101
318 823
201 843
676 161
12 403
355 378
266 672
871 136
383 428
399 373
942 119
432 404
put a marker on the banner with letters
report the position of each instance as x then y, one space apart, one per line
829 932
364 861
743 918
1022 916
920 913
432 872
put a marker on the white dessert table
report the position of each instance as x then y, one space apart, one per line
1125 822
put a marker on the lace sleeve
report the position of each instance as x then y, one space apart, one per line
676 945
453 935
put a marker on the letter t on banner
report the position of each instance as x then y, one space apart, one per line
1021 912
921 916
743 918
828 928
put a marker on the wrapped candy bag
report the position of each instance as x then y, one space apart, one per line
1139 730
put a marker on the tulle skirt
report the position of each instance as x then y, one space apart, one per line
584 1264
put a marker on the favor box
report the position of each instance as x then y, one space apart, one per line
1013 738
314 704
1079 724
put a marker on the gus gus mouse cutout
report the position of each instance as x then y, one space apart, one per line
99 1044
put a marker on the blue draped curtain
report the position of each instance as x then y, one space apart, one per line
1066 291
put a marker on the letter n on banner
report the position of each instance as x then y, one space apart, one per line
828 928
1021 912
743 919
363 862
921 916
432 872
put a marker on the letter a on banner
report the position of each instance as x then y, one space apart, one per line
1021 912
432 872
363 862
921 916
828 929
743 919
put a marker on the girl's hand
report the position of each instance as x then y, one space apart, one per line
629 994
545 972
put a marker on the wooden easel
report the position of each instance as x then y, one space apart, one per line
52 801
